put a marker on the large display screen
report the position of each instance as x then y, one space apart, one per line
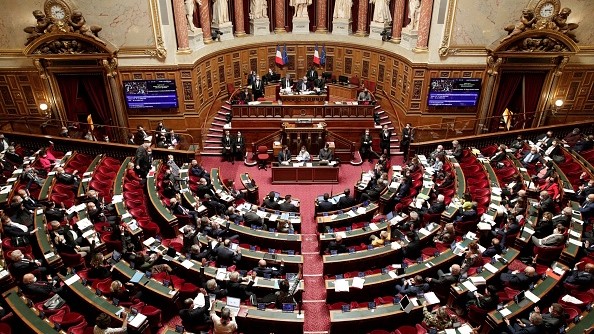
454 92
144 94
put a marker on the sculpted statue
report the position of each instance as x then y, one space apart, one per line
190 7
342 9
527 21
39 29
300 7
414 7
560 21
220 11
79 25
381 12
258 9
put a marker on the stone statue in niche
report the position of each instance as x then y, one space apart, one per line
39 29
258 9
526 22
190 7
414 9
381 12
300 7
220 11
342 9
79 25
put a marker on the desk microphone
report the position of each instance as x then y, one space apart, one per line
170 280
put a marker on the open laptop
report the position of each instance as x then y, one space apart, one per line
288 307
406 305
115 257
233 304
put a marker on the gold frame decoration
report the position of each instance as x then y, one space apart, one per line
445 48
158 50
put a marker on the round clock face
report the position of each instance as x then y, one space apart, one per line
58 12
547 10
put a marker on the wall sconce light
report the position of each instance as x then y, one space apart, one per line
557 107
45 110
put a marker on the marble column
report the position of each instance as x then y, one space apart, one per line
362 18
279 16
205 21
322 24
398 19
181 25
239 18
424 25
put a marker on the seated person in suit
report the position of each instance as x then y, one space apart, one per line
212 288
584 144
303 85
197 254
556 239
487 300
179 209
412 286
288 206
494 249
238 290
544 141
336 245
553 320
447 235
520 280
284 156
412 250
251 218
545 226
39 290
456 150
445 280
582 278
67 178
469 212
554 152
573 137
280 297
198 171
22 265
545 204
346 201
364 96
196 312
534 326
303 155
263 269
99 269
224 255
325 205
373 194
511 227
243 97
270 201
287 83
587 209
531 157
325 153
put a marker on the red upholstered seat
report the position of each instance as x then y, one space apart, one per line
152 313
80 328
262 156
406 330
476 315
72 260
39 306
67 320
5 328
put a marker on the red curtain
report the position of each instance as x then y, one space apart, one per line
95 88
69 91
507 88
533 83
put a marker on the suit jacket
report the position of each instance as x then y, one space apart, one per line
66 178
30 204
284 156
142 160
519 281
529 329
251 218
13 231
261 271
445 281
587 211
335 246
257 88
531 157
227 142
39 290
25 266
301 84
457 153
325 206
385 138
437 207
581 278
286 83
238 290
196 316
346 202
499 156
325 154
225 256
239 144
271 204
312 74
288 207
366 141
547 205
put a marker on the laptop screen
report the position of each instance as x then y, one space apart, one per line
233 302
404 302
390 215
288 307
116 256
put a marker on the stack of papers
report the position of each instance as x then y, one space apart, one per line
341 285
468 285
431 298
358 282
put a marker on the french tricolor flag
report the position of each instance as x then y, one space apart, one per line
316 58
279 57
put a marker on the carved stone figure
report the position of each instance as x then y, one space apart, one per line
414 9
258 9
220 11
342 9
493 64
79 25
190 7
39 29
526 22
300 7
381 12
561 24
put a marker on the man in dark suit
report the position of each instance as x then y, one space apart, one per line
457 151
13 157
325 205
413 286
531 157
545 140
366 151
140 135
224 255
551 321
407 138
584 190
287 206
198 171
204 188
22 265
385 136
243 97
494 249
257 88
12 229
373 193
262 269
583 279
67 178
284 155
38 290
587 209
142 160
336 245
438 206
28 202
445 280
545 204
238 290
287 83
520 280
239 147
303 85
534 327
227 143
312 74
346 201
251 218
196 314
270 201
177 208
251 78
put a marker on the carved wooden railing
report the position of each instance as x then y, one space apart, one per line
267 141
344 149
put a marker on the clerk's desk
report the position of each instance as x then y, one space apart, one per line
307 98
308 172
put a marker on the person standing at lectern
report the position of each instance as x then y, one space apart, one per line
287 83
366 151
407 138
251 78
284 156
364 96
269 76
227 143
312 74
385 136
257 88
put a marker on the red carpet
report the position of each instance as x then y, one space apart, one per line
317 317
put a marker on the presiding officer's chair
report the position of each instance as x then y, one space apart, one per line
262 156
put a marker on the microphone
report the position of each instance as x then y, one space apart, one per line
170 280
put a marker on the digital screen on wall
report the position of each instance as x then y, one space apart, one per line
454 92
144 94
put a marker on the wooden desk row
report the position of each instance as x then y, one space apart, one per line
342 217
163 213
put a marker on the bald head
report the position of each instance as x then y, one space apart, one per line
455 269
440 198
530 271
262 263
28 279
338 238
